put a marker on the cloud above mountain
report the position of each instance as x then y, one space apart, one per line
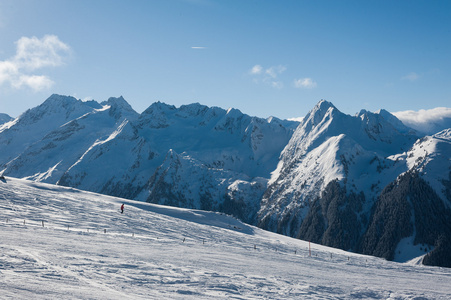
271 77
304 83
268 76
33 54
428 121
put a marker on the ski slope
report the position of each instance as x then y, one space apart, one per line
63 243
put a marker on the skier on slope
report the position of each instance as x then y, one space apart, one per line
122 208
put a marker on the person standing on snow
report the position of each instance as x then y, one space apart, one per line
122 208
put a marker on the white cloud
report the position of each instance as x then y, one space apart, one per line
412 76
257 69
275 71
268 76
33 54
198 47
298 119
304 83
426 121
277 84
35 82
7 70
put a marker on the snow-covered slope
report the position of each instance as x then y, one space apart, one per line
208 188
336 171
61 242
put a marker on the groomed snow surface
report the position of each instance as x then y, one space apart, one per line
62 243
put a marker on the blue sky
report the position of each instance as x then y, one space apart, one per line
266 58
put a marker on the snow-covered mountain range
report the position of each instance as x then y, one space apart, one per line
366 183
193 156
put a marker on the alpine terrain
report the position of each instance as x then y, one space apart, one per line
365 183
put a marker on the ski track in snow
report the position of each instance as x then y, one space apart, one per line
158 252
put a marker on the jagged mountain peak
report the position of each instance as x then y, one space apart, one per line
200 111
156 115
55 104
194 109
56 101
92 103
118 101
317 114
159 107
4 118
56 111
324 104
322 107
119 108
393 120
59 99
373 122
383 126
368 115
233 112
381 131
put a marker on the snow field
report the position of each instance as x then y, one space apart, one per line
157 252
